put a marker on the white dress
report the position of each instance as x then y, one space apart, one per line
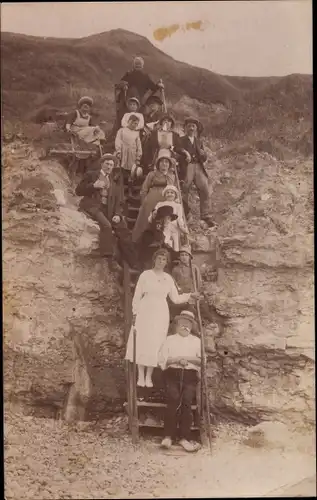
152 315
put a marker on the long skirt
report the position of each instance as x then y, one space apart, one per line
152 323
151 199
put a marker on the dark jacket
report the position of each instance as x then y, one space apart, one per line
92 196
151 240
194 151
127 248
151 147
139 83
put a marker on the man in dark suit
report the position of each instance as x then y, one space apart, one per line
102 193
193 170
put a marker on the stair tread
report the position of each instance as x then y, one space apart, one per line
161 426
153 404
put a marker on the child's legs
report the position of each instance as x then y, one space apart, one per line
141 372
149 372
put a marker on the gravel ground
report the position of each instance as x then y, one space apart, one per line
47 459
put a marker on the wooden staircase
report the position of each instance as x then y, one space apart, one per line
146 406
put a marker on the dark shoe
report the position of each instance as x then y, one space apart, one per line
209 221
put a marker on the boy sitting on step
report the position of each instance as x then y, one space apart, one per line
180 360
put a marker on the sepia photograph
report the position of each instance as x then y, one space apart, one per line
158 249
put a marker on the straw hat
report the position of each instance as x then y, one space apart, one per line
135 99
85 100
186 249
164 153
186 315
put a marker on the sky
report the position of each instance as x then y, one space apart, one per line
244 38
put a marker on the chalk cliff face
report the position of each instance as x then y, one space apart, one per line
263 361
63 323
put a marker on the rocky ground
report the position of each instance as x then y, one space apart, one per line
49 459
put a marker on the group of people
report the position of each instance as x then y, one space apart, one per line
147 147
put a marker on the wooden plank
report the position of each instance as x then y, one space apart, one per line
161 426
150 404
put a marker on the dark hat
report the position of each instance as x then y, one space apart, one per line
200 128
164 211
154 98
108 156
169 117
134 117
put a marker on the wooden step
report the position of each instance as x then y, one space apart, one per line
133 212
134 199
161 426
129 219
150 404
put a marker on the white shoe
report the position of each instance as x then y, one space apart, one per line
141 382
166 443
188 446
148 383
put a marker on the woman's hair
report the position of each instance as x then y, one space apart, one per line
164 253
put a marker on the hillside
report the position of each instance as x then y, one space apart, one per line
38 71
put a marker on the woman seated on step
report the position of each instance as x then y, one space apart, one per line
171 199
180 360
152 189
164 137
151 315
80 123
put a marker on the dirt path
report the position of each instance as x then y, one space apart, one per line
46 459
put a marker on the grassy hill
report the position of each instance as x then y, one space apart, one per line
40 72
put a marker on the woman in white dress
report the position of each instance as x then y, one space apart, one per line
151 315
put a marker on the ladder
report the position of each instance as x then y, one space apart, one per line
141 400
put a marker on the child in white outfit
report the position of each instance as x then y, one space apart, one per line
133 106
128 147
178 226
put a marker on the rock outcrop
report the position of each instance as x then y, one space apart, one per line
63 333
263 361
